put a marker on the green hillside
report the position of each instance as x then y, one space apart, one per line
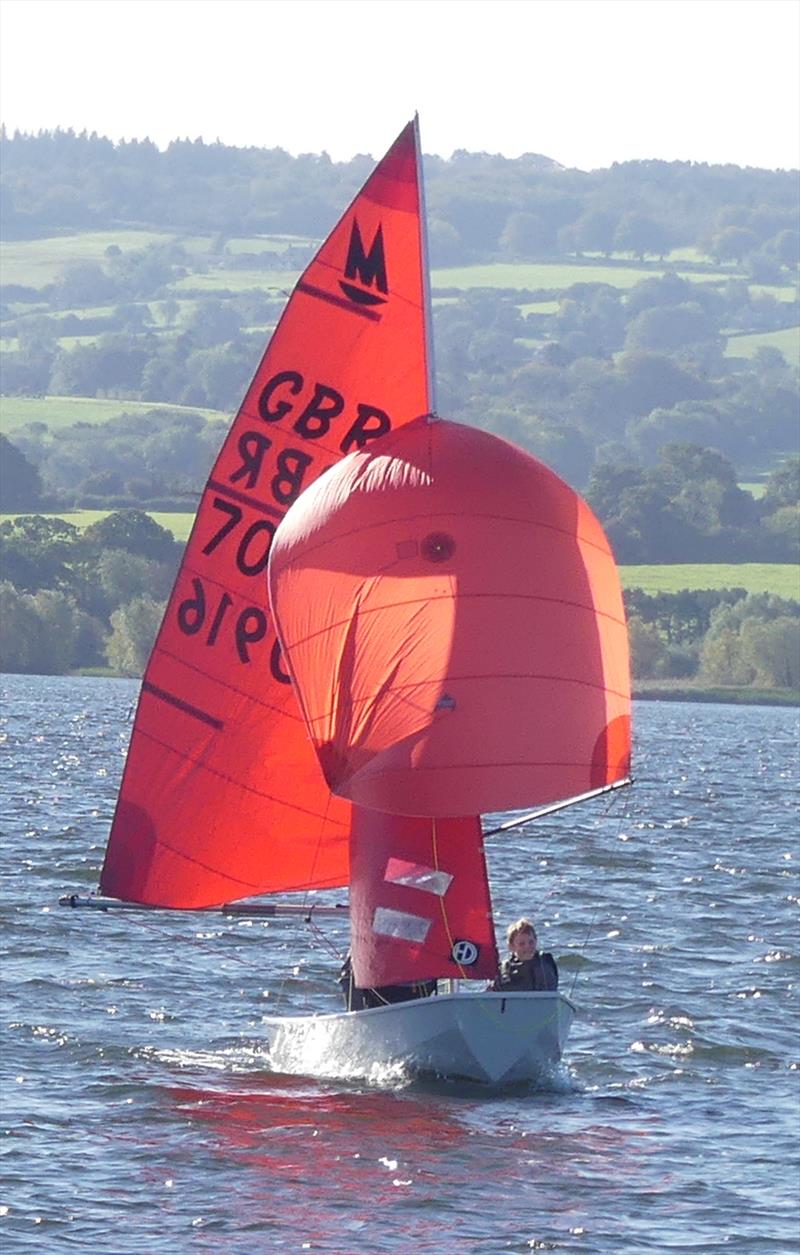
63 411
780 578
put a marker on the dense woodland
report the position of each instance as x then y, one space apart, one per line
478 203
633 391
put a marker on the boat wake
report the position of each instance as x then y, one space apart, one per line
312 1057
309 1061
308 1058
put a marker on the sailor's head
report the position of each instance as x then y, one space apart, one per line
522 939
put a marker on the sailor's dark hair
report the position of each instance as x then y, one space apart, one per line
521 926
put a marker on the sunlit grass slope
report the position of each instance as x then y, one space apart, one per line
781 578
63 411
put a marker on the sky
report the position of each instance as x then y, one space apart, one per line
585 82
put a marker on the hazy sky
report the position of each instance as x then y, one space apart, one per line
586 82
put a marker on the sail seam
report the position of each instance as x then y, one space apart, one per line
245 788
185 707
229 688
338 301
428 519
400 298
235 495
425 601
251 887
449 679
419 768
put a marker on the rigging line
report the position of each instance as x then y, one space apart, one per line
443 908
318 933
318 846
549 892
620 819
183 937
305 903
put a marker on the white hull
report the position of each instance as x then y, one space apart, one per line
491 1038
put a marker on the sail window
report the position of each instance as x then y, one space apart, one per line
417 876
399 924
438 547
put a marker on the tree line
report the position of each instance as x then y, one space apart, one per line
480 204
688 506
96 599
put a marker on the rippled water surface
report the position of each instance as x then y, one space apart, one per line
140 1113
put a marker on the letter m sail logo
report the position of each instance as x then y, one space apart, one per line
368 268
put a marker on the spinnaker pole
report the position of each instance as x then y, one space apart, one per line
558 806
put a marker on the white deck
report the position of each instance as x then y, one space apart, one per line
493 1038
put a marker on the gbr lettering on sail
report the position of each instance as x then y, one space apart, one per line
318 424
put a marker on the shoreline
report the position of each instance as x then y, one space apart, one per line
733 696
648 691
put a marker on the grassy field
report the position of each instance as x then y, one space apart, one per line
781 578
787 340
266 243
273 281
154 311
179 524
786 292
555 275
35 263
539 307
63 411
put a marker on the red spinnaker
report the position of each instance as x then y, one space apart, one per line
222 796
452 618
419 900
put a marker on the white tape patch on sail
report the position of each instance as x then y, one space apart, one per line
399 924
417 876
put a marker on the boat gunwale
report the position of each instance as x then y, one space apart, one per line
491 995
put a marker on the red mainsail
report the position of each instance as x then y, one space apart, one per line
452 618
419 900
222 796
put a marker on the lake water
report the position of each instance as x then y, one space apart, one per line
140 1114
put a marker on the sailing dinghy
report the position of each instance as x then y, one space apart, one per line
385 625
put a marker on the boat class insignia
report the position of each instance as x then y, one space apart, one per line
369 268
465 953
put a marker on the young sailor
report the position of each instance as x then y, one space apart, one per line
526 967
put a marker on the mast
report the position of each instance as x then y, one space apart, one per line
430 356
